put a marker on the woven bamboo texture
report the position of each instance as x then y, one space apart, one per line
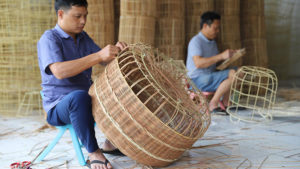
229 36
253 32
171 9
100 25
137 29
142 107
194 10
253 88
176 52
21 25
138 8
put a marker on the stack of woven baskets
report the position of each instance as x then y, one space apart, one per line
140 104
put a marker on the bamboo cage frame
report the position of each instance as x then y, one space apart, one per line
141 105
253 88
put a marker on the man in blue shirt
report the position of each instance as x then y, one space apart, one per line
66 55
201 61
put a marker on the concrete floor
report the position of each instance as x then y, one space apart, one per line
225 145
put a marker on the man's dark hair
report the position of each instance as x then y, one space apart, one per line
208 18
67 4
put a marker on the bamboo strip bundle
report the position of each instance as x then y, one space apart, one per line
135 29
171 9
141 106
138 8
253 32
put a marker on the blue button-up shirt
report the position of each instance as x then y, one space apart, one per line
55 45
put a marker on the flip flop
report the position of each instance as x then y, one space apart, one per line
115 152
219 110
97 162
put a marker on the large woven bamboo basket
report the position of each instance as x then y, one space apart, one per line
138 8
170 32
171 9
197 7
140 104
228 7
137 29
256 52
176 52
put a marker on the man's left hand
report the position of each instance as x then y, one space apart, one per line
121 45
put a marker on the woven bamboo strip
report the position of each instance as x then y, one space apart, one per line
136 29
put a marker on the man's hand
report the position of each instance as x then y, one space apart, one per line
108 53
121 45
227 54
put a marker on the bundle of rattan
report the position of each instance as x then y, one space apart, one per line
140 104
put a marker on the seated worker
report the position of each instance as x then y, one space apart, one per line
66 55
201 61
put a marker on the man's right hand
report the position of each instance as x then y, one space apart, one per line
108 53
227 54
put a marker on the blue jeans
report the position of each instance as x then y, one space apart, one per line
76 109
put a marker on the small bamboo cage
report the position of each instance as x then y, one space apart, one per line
140 104
252 94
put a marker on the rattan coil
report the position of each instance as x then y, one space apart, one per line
140 104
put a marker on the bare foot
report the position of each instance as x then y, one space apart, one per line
212 106
108 146
97 155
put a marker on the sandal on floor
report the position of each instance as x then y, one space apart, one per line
97 162
219 110
115 152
